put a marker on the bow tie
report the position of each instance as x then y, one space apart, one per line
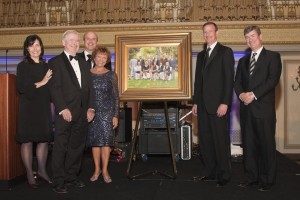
89 56
71 57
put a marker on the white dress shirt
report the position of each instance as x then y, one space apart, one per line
76 68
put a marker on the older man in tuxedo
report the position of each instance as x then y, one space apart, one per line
71 92
211 104
256 78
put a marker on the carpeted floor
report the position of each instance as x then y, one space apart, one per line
156 187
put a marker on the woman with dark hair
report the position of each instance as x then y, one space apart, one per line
34 119
101 129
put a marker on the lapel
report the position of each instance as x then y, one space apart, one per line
82 65
70 69
81 55
213 54
259 62
247 65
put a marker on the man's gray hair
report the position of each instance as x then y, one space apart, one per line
65 35
248 29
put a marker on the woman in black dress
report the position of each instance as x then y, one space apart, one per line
34 120
101 129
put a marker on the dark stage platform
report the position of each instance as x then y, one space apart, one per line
155 187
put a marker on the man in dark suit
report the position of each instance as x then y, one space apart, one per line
213 89
90 40
72 95
256 78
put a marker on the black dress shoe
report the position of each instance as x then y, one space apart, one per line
264 188
60 189
221 183
76 183
247 184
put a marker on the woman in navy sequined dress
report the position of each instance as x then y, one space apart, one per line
101 129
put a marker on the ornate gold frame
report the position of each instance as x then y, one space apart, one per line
183 43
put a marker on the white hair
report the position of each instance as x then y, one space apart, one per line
65 35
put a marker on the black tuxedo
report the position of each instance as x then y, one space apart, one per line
82 55
215 79
214 86
107 65
70 137
258 119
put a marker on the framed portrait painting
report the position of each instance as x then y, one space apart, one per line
154 66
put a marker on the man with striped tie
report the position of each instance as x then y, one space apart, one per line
256 78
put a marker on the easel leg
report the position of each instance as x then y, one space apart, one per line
170 140
134 140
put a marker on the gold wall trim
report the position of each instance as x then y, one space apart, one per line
230 33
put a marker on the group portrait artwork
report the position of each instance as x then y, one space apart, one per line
152 67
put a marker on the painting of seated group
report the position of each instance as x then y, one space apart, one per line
154 66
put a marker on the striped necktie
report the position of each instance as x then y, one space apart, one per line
252 63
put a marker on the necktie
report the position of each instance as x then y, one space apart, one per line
252 63
206 56
89 59
71 57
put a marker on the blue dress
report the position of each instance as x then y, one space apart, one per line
101 132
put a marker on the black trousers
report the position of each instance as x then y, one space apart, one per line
259 147
214 143
69 143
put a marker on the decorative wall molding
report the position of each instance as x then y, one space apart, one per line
230 33
29 13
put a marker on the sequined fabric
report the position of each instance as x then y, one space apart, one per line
101 132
